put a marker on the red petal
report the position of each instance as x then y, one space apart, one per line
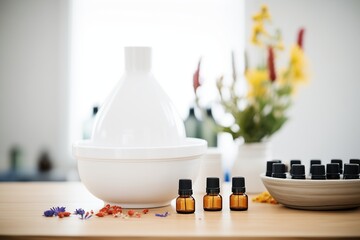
300 38
196 77
271 64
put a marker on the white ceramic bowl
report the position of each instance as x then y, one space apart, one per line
137 177
314 194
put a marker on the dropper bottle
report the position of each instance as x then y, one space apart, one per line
238 199
212 201
185 203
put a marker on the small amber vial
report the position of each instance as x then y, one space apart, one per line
212 201
185 203
238 199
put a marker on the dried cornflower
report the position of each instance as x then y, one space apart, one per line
57 210
49 213
162 214
79 211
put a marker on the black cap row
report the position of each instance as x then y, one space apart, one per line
277 169
212 185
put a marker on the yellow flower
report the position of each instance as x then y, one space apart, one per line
262 15
258 80
297 68
296 71
257 30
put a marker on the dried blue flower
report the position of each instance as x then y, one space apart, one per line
87 216
79 211
57 210
83 215
49 213
162 214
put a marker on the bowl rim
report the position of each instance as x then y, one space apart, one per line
307 181
192 147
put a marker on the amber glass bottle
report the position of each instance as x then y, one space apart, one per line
212 201
238 199
185 203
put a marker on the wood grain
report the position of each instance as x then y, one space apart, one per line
22 206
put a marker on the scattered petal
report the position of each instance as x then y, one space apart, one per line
57 210
49 213
79 211
162 214
131 212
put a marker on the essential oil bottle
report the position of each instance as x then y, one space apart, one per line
292 162
212 201
269 167
238 199
278 170
332 171
298 171
351 171
340 162
185 203
313 162
318 172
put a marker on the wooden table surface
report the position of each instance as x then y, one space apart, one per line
22 206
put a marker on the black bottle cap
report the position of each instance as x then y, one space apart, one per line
238 185
312 162
332 171
292 162
278 170
298 171
185 187
318 172
192 112
269 166
95 110
351 171
340 162
315 161
356 161
212 185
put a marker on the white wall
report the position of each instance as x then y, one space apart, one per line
33 80
34 88
325 116
179 31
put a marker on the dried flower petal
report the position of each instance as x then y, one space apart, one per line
67 214
162 214
49 213
79 211
264 197
100 214
57 210
131 212
300 38
196 77
271 64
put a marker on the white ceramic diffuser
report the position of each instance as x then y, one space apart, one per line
138 150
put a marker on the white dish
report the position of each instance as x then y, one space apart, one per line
314 194
138 182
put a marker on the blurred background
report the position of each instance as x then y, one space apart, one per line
59 60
